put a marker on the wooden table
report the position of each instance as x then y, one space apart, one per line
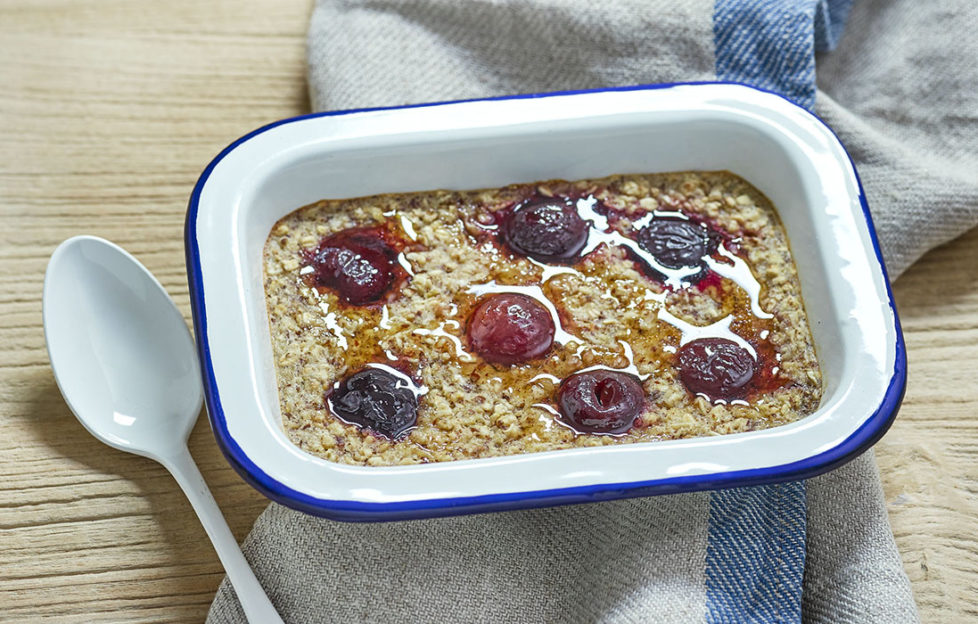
108 112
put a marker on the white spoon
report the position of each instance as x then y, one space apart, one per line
125 363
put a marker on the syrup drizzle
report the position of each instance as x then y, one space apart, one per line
630 368
603 230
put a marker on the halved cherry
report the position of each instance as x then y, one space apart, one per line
600 401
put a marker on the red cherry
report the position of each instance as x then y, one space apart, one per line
716 367
600 401
546 229
508 328
357 264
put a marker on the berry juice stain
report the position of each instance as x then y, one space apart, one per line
361 266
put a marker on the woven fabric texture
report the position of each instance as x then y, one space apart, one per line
899 94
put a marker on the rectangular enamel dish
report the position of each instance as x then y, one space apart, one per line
780 148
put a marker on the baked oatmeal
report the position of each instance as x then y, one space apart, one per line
443 325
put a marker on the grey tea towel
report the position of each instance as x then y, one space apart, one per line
899 89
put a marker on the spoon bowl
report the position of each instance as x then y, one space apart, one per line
121 352
125 363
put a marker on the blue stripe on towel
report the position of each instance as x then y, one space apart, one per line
755 556
755 560
769 44
830 19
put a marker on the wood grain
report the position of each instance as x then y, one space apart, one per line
929 459
109 110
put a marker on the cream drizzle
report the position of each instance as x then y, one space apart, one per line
329 317
440 332
385 318
736 270
545 377
403 261
739 272
408 228
719 329
548 422
602 233
403 380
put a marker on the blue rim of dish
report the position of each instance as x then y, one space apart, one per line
863 438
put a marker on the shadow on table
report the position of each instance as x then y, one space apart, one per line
137 486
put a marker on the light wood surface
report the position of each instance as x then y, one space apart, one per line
109 110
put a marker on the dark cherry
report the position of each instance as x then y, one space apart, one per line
377 400
600 401
547 229
357 264
508 328
716 367
676 243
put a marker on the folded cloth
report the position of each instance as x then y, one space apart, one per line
902 100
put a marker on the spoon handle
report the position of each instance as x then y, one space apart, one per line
256 605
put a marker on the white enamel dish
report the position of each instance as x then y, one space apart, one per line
783 150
